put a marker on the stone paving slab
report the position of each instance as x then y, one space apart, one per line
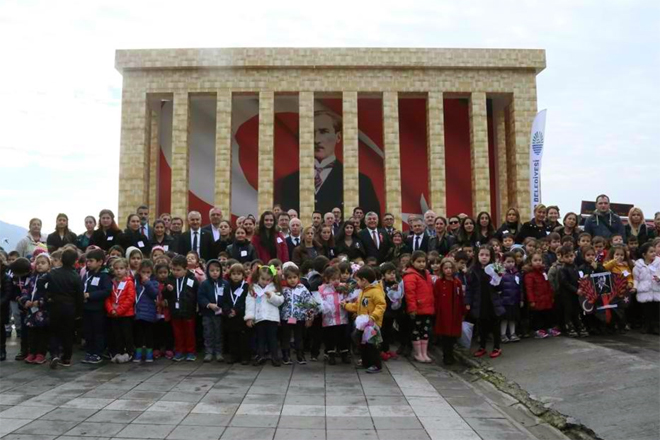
193 400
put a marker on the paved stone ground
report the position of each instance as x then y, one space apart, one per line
212 401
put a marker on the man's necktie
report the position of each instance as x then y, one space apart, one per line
416 243
142 230
373 235
195 243
296 241
317 174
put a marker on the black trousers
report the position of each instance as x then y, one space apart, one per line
651 314
335 338
448 346
163 335
38 339
315 336
62 322
267 338
296 330
94 329
25 333
239 339
122 333
369 353
541 319
487 326
571 308
387 332
144 334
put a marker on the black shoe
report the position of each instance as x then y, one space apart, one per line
65 363
54 362
245 362
449 360
3 355
257 362
275 363
331 359
345 358
19 357
301 358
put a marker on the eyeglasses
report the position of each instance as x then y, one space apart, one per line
453 223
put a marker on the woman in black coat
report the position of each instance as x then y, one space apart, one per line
160 237
133 237
62 234
536 227
442 241
348 243
108 233
511 224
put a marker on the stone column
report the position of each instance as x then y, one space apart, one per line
222 198
180 154
134 148
351 156
306 160
435 135
479 153
266 159
522 111
154 158
502 174
392 156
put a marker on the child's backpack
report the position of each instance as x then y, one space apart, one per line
553 276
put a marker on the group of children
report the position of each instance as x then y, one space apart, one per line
139 309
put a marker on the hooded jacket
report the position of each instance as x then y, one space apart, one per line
211 292
511 287
449 306
99 286
294 298
418 290
258 307
539 290
145 299
648 288
186 297
123 297
370 302
605 225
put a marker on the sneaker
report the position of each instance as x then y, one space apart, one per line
29 359
115 359
505 339
275 362
178 357
540 334
95 359
149 356
127 357
169 354
122 358
258 361
384 355
138 356
65 362
54 362
86 360
480 352
514 338
300 357
584 333
346 359
39 359
286 360
19 357
374 369
393 355
3 355
219 357
572 333
554 332
157 354
191 357
208 357
495 353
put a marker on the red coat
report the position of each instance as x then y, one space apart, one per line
124 299
419 292
449 307
539 290
280 246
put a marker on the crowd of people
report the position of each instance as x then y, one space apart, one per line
278 287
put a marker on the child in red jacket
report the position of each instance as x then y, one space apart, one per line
120 308
420 303
449 308
539 297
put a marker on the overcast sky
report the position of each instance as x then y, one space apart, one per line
60 93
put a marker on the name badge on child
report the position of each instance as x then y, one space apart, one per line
140 243
176 305
581 274
218 312
517 279
95 281
545 276
291 320
626 273
121 285
260 293
243 253
166 247
190 282
279 240
34 309
110 238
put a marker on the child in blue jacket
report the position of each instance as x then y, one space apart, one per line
210 300
97 284
146 292
511 298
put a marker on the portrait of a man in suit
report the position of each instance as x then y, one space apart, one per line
328 172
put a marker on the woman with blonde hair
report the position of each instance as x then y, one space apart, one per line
637 227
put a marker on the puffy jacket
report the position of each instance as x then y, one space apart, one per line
242 251
511 281
122 300
210 292
333 313
258 307
620 269
473 292
538 290
187 297
449 306
605 225
648 288
37 314
418 290
145 299
281 249
568 280
297 301
6 293
99 286
370 302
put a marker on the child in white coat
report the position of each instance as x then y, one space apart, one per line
647 283
262 311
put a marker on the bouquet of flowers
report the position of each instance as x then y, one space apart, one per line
371 334
310 308
395 294
495 271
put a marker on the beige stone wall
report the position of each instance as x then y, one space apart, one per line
476 73
306 153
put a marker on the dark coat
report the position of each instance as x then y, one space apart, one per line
187 297
106 240
6 295
167 243
331 193
184 244
442 245
530 229
243 251
134 238
99 286
291 245
355 250
605 225
145 299
473 295
511 288
423 245
301 254
238 306
210 292
63 286
370 246
54 241
645 233
569 278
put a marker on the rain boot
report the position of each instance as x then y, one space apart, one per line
417 348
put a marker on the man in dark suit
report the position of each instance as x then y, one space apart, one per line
417 240
329 172
196 238
377 241
145 229
215 215
295 235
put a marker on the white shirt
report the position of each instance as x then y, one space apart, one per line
216 233
416 244
325 172
293 240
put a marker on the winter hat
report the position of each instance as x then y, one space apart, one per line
288 264
38 251
130 250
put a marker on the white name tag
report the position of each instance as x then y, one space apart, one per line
140 244
218 312
166 247
176 305
110 238
95 281
121 285
243 253
581 274
260 292
545 275
34 309
517 279
626 273
279 240
190 282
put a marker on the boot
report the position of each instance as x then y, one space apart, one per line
425 351
331 358
417 348
345 358
286 357
138 356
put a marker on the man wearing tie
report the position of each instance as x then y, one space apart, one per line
388 223
294 238
429 219
143 213
376 241
417 240
196 239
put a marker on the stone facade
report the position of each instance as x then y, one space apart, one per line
478 74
